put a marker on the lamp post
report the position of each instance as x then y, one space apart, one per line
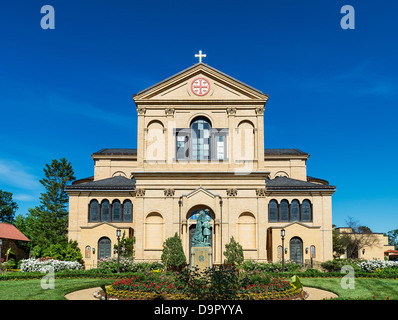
118 232
283 249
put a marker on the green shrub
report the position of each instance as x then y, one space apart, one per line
312 272
233 252
336 264
250 265
173 256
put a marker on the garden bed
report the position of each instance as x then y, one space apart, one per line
214 284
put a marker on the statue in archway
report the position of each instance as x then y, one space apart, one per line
201 238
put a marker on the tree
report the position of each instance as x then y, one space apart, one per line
173 256
233 252
50 219
358 238
393 238
339 247
126 246
8 207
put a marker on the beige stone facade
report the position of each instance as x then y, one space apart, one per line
372 245
200 145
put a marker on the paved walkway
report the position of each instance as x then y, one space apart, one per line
313 294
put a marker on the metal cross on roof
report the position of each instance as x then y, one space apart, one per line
200 56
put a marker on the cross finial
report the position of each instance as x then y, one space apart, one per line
200 56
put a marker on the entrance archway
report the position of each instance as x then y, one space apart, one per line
209 231
296 250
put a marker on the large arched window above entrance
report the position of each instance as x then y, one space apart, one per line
284 211
93 210
104 248
116 210
127 211
306 212
201 135
105 211
295 211
273 211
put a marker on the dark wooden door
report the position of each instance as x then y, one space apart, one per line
104 248
296 250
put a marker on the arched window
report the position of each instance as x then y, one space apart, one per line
127 211
201 138
94 210
284 211
105 214
295 210
273 211
104 248
116 210
306 214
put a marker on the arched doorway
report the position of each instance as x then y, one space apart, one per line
207 228
104 248
296 250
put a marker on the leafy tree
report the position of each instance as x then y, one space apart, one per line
233 252
393 238
339 247
8 207
126 246
173 256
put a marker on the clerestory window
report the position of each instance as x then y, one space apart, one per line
201 142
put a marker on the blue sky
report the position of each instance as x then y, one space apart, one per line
333 93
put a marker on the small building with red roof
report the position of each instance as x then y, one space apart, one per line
9 234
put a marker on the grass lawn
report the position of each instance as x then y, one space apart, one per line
32 290
365 289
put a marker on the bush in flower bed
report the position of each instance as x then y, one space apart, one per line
127 265
377 264
251 265
44 265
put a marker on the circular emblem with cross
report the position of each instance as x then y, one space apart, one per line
201 258
200 86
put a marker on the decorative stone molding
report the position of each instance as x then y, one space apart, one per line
261 192
169 192
169 111
231 111
140 192
260 110
232 192
141 110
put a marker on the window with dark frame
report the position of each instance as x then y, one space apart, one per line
110 212
201 141
285 212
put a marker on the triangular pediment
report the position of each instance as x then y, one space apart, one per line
200 83
200 190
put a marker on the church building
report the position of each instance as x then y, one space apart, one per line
200 146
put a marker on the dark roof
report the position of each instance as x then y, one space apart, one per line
284 152
284 183
115 183
116 151
84 180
